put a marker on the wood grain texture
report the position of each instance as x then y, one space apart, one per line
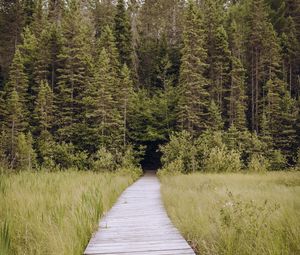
138 225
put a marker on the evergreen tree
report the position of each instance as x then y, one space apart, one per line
219 70
281 115
14 123
290 47
193 102
237 98
108 42
215 121
126 96
257 22
44 108
18 79
102 116
123 34
74 72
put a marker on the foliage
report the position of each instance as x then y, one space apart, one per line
104 161
258 164
181 150
121 73
222 160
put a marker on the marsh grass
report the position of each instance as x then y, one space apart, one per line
236 213
54 213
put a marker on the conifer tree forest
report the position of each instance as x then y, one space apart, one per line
83 81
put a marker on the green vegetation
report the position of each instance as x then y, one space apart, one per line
220 151
54 213
82 77
236 213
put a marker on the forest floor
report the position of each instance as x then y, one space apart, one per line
236 213
54 213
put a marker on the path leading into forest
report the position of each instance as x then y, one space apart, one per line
138 225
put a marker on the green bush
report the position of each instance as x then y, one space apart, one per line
173 168
278 161
258 164
104 160
181 148
25 155
222 160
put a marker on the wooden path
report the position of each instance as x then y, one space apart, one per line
138 225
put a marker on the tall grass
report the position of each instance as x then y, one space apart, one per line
54 213
236 213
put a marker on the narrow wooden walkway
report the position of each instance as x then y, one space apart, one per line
138 225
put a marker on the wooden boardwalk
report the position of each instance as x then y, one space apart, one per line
138 225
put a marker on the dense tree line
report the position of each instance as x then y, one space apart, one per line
79 79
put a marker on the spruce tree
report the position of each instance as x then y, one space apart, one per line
193 102
237 98
15 123
103 118
290 48
108 42
44 108
219 70
215 121
257 23
123 34
74 72
126 93
18 79
281 115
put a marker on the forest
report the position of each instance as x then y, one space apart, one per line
206 92
91 82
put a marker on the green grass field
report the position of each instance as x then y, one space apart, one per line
236 213
54 213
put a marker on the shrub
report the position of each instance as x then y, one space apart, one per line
64 156
258 164
25 155
222 160
173 168
277 160
104 160
181 147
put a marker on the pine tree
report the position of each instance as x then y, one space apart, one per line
126 93
215 121
237 98
123 34
74 72
15 123
219 70
18 81
290 47
102 116
257 21
44 108
281 115
108 42
193 102
25 156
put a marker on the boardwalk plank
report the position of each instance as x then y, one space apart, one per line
138 225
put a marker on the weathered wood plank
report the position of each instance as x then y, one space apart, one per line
138 224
